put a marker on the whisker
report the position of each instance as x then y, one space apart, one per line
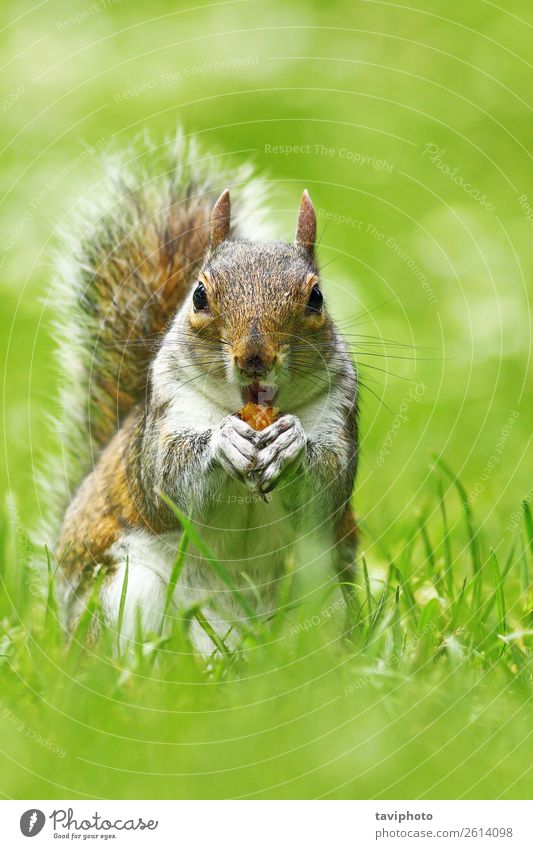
376 396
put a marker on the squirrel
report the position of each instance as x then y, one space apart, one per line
175 313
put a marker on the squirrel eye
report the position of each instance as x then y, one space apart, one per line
314 304
199 297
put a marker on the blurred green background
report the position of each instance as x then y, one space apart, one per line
409 125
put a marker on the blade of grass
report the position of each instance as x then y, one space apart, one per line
52 619
377 614
471 530
446 542
122 605
410 602
396 629
175 573
528 522
169 595
524 575
284 606
143 663
87 620
51 615
211 633
369 604
253 589
430 557
390 576
428 548
499 593
510 559
506 569
429 615
457 607
380 605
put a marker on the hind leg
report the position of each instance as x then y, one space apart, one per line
144 601
345 547
150 560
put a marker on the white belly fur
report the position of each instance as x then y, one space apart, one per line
244 533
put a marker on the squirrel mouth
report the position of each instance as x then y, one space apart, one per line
255 393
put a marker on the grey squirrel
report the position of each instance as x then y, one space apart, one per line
173 315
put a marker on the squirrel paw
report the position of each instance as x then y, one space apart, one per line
234 447
279 447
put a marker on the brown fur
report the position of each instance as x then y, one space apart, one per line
257 295
346 540
131 316
136 271
128 262
108 502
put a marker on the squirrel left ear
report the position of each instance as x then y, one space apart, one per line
220 220
306 226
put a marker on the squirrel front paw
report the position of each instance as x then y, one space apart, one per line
234 447
280 447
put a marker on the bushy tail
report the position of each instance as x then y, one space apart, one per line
122 275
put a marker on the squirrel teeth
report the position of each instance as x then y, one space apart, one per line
255 393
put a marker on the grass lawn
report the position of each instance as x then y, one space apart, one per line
428 694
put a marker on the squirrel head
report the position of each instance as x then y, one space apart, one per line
260 305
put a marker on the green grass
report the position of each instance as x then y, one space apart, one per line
430 695
427 694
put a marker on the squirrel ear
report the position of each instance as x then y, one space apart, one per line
220 219
306 226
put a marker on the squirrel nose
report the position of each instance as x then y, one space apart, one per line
255 364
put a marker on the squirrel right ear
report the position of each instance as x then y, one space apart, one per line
306 226
220 220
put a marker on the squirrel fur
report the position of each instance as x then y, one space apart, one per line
174 311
